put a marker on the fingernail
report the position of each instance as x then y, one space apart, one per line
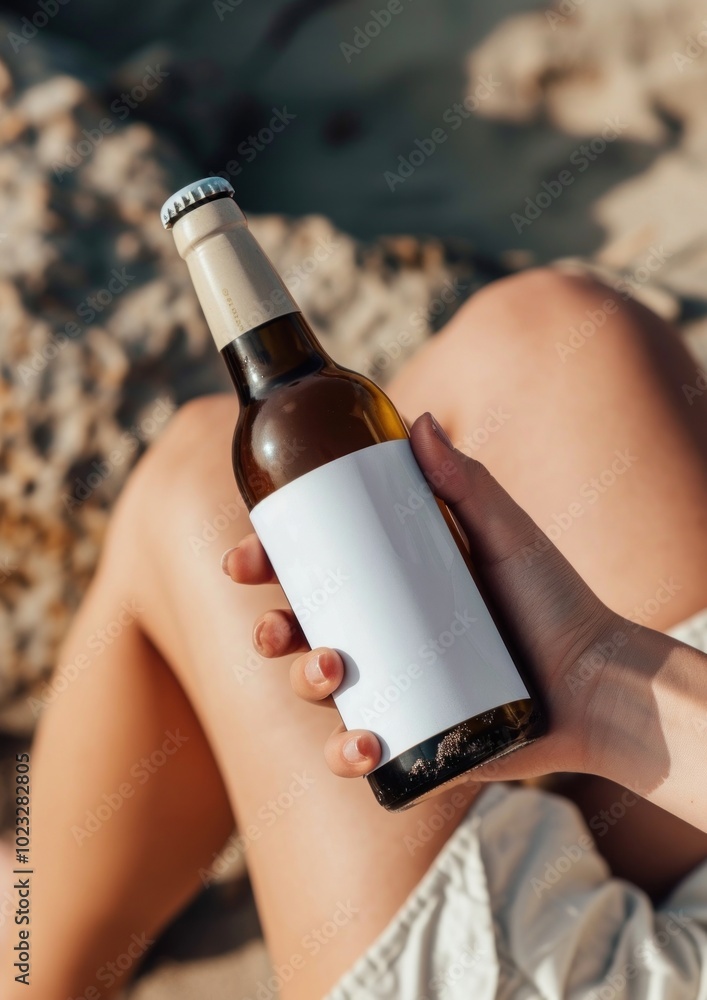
224 560
351 751
257 633
441 434
313 670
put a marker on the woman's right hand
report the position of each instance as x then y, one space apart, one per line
591 667
556 618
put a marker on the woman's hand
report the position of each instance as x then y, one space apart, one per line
564 632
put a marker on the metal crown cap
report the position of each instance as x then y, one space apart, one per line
190 195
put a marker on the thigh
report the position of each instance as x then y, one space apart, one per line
329 866
592 414
589 411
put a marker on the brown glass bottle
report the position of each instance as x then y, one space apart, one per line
299 411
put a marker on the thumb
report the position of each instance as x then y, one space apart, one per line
551 610
493 522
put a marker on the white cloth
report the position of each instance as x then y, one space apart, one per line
520 904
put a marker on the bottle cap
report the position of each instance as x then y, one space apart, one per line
191 195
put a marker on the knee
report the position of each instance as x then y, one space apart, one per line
181 485
545 316
194 448
539 288
533 306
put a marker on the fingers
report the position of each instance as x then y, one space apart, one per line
316 675
350 754
248 563
498 526
550 608
277 633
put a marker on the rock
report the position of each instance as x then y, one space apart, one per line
101 328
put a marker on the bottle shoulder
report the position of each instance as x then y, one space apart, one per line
305 424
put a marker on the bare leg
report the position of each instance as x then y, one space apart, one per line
549 422
320 849
561 422
121 771
329 866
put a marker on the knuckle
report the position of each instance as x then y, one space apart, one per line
471 479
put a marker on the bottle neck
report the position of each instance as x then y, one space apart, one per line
255 322
273 355
237 286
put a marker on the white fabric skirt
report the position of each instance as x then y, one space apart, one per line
520 904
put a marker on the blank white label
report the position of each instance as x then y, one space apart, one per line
370 568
